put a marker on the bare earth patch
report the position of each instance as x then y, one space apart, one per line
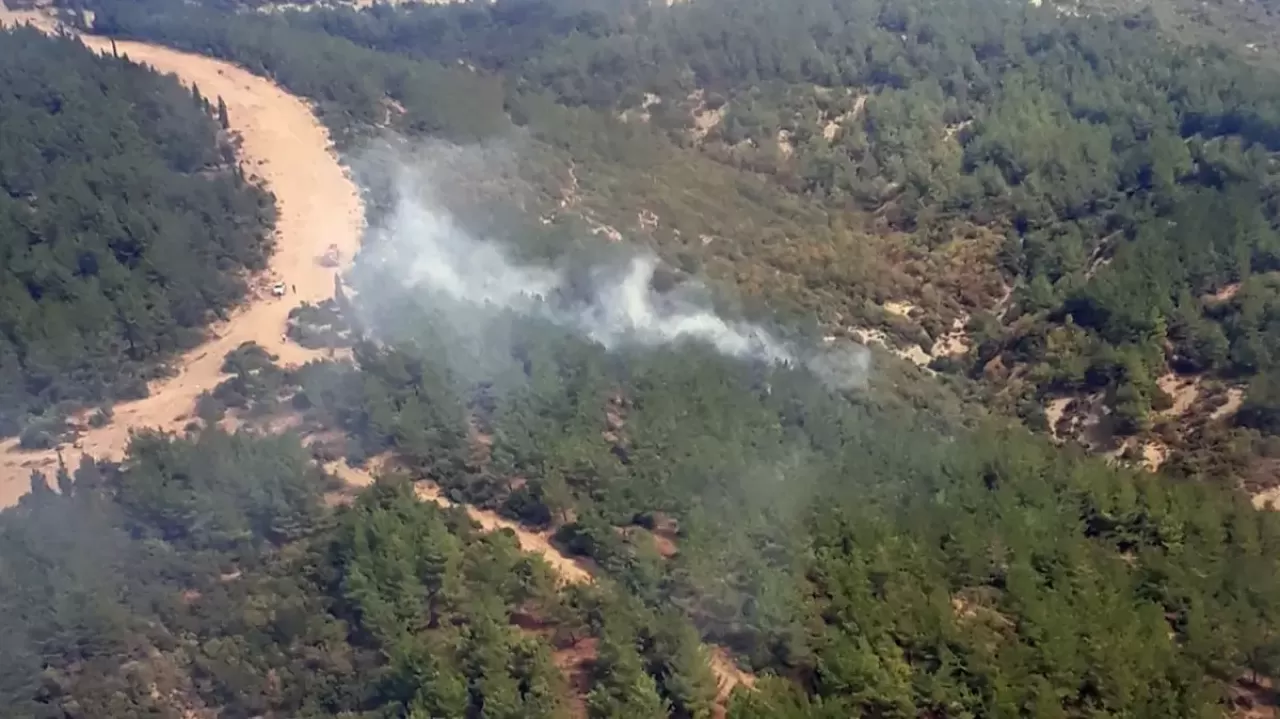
901 309
575 662
704 119
1054 412
1267 499
1253 698
1183 390
1235 397
1226 292
913 354
954 343
831 126
1086 419
729 675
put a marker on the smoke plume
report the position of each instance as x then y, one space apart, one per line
418 244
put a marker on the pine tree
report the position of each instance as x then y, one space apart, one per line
88 476
65 484
40 485
624 690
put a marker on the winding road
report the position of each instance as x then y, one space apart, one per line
284 144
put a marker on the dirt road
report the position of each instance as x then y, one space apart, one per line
568 569
284 144
571 571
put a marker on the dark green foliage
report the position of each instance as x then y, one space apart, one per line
878 560
356 89
830 539
1261 407
84 574
205 572
124 225
320 326
1131 175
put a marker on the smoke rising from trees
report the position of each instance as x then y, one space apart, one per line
419 246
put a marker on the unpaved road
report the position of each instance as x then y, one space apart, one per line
286 146
570 571
566 568
283 143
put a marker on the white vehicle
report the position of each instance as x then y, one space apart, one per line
278 289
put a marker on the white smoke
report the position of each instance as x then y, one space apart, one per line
421 246
424 248
629 310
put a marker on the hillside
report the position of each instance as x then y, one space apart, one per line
388 607
128 228
614 254
988 193
280 142
1020 172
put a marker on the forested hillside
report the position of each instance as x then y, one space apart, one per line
125 226
860 558
1072 200
1121 184
1052 202
205 577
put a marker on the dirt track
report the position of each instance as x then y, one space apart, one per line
285 145
727 673
569 570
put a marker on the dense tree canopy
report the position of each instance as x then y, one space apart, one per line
125 224
868 553
1106 176
1084 139
205 575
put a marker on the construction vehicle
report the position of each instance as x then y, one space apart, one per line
278 289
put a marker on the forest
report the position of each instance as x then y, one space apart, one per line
1085 198
1081 141
892 551
206 576
859 558
125 227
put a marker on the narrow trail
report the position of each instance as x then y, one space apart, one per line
570 571
283 143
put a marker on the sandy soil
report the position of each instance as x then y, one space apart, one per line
1184 391
913 353
286 146
1053 413
728 674
1267 499
1235 398
570 570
